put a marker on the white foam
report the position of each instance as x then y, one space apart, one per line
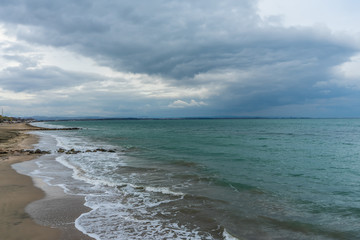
228 236
163 190
83 169
82 229
118 223
121 207
130 213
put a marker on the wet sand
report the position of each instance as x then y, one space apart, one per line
49 214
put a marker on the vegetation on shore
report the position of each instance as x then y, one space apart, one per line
5 119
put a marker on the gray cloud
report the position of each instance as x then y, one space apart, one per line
20 79
180 41
174 38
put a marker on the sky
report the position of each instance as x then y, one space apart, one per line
180 58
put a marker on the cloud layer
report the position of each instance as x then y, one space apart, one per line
166 58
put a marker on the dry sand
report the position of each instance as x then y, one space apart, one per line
18 191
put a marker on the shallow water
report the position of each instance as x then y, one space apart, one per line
211 179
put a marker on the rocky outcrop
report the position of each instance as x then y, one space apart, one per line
24 151
60 150
48 129
73 151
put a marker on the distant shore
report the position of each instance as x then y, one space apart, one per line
17 191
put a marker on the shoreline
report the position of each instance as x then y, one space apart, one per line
24 201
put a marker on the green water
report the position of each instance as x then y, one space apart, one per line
256 178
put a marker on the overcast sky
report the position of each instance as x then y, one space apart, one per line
180 58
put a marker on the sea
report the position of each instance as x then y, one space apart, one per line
209 178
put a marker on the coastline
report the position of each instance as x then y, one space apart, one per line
18 191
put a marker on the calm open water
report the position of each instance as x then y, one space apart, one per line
211 179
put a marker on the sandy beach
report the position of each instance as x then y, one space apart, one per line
52 213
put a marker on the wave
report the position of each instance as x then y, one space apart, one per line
120 207
228 236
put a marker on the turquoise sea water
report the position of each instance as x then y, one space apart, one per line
213 179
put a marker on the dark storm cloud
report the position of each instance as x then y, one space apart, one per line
181 41
20 79
174 38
